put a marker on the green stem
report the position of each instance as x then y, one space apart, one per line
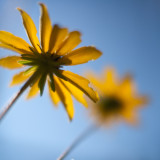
79 139
4 110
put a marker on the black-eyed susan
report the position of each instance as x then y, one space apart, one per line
118 98
43 61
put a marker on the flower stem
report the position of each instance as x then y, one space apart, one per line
79 139
4 110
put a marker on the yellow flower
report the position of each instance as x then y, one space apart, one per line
43 61
118 98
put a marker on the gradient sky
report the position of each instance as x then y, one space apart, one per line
128 34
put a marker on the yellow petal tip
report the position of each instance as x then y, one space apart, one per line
99 53
85 105
19 9
28 97
70 119
41 4
10 85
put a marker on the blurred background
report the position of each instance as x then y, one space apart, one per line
128 34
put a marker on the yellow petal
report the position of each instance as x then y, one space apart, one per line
45 28
30 29
53 95
11 62
65 97
96 82
126 88
110 81
58 35
33 91
81 83
139 101
20 78
8 39
77 93
81 55
70 43
130 116
5 46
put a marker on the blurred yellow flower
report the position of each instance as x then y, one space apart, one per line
45 59
118 98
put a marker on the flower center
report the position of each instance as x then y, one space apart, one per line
46 62
44 65
111 104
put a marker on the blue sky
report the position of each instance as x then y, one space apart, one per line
128 34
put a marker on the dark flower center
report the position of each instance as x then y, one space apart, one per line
44 65
45 61
111 104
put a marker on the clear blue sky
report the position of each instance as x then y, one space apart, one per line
128 34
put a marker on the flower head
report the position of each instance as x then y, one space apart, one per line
43 60
118 98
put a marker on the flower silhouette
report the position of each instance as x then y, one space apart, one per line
43 61
118 98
